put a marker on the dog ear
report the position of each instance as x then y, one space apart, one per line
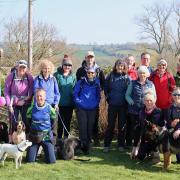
23 126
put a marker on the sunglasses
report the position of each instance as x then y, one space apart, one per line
90 72
176 94
69 65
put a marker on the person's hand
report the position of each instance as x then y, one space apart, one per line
176 134
56 107
131 102
11 110
20 102
174 122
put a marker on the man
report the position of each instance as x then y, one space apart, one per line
89 62
145 60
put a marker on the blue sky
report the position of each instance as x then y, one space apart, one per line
83 21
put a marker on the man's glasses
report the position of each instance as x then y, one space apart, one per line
176 94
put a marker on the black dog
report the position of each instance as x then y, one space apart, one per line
3 132
66 148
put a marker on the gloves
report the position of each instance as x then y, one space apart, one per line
176 134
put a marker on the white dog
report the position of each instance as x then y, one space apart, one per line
14 150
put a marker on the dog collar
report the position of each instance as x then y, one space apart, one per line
19 149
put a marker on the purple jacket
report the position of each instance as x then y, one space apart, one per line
18 88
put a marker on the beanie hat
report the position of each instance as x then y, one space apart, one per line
162 61
66 60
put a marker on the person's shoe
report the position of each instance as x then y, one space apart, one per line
121 149
106 149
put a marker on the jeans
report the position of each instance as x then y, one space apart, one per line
48 148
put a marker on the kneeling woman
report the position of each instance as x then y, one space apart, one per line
146 133
40 115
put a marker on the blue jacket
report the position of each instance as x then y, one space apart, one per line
115 88
135 95
87 94
50 86
66 85
41 117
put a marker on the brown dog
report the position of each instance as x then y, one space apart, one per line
19 135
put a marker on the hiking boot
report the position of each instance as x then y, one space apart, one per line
120 149
106 149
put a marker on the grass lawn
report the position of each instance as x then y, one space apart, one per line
112 165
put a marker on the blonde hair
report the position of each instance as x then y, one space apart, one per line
46 63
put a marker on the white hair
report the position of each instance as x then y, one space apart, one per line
143 69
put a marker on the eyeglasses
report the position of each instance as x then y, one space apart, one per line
67 65
176 94
90 72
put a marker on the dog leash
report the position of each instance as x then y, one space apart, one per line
63 123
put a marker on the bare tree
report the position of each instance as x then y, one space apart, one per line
45 41
175 31
153 25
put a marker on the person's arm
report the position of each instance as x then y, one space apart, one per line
76 91
102 79
30 90
172 83
56 92
128 94
7 89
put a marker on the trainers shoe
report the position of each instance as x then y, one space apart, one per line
106 149
120 149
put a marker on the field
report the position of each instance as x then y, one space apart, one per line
113 165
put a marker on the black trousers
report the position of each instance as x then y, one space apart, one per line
116 112
86 120
66 117
132 122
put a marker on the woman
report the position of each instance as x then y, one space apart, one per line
174 118
66 81
164 84
18 92
149 118
48 82
134 97
87 98
115 88
132 72
40 115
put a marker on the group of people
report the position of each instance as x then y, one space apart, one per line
133 95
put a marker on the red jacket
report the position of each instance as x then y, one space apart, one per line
164 87
133 73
